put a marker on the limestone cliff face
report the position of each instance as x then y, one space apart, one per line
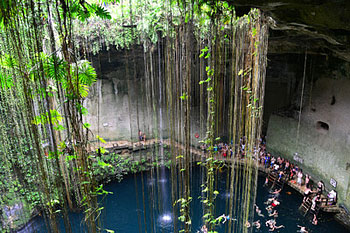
116 104
323 140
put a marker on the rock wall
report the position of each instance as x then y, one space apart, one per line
323 139
122 101
117 107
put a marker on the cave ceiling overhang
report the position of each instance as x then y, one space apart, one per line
318 26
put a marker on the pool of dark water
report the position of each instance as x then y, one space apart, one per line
129 210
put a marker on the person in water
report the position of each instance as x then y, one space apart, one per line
314 220
258 211
276 193
257 224
225 218
266 181
274 214
274 227
302 229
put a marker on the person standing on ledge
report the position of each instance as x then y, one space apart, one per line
140 136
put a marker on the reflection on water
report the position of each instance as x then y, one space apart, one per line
163 180
153 210
166 218
165 222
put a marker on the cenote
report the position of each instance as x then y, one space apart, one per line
124 209
126 116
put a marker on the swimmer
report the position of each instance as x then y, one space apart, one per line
258 211
276 193
247 224
257 224
302 229
314 220
225 217
274 214
266 181
269 209
268 202
275 227
270 222
275 203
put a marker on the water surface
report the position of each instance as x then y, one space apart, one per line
131 211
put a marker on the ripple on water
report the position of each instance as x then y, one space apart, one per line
166 221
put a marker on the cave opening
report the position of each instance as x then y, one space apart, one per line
333 100
320 125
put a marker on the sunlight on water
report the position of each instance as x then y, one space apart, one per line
166 218
166 222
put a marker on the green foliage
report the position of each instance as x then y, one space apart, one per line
184 96
110 166
7 11
54 67
8 62
43 118
6 81
83 10
85 72
100 139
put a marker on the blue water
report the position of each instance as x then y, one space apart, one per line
124 213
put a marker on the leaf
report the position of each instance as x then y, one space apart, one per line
207 56
253 31
8 62
109 231
240 72
54 67
206 49
59 128
6 81
86 73
181 218
83 90
102 150
184 96
101 139
101 12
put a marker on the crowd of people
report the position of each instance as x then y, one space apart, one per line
285 171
